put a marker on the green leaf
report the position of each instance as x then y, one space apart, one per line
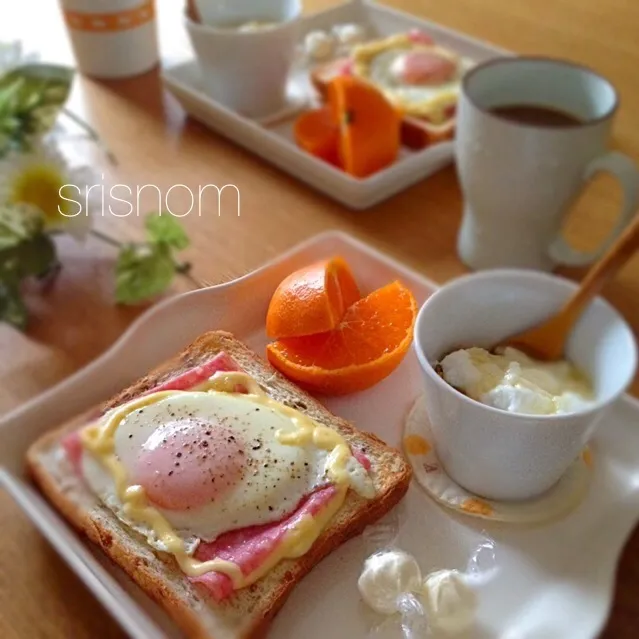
17 225
31 98
142 272
35 256
9 90
25 249
164 228
38 256
12 308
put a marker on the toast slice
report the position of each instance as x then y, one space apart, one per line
416 133
248 612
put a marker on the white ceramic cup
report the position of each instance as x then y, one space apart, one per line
246 71
494 453
519 180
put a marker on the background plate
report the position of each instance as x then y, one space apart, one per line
275 144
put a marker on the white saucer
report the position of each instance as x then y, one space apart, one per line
567 493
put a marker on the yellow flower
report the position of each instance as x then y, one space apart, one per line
41 185
42 181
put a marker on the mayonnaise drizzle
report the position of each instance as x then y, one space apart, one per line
99 440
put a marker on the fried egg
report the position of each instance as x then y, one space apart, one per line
210 462
421 79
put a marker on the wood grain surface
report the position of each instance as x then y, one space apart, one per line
156 144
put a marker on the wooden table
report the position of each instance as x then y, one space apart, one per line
155 143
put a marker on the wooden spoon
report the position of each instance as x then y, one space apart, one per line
192 11
547 341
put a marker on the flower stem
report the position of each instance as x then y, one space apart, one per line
107 239
93 135
182 268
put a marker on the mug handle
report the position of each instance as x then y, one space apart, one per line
626 172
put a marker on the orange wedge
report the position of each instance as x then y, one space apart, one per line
317 133
370 126
312 300
367 345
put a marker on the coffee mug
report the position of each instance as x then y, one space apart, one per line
531 132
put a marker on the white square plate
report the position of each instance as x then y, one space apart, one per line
553 581
274 142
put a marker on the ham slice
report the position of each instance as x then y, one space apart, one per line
221 363
72 446
247 547
250 547
361 458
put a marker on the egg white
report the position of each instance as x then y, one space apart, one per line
409 96
286 474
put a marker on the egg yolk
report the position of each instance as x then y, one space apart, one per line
422 67
189 462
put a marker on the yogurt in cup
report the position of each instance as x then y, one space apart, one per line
504 455
245 49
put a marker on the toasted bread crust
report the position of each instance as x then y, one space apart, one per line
157 573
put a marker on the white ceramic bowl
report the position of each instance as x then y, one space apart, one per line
246 71
493 453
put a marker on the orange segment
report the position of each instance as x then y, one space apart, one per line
477 506
312 300
369 343
370 126
317 133
416 445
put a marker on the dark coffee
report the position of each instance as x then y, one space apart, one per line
536 115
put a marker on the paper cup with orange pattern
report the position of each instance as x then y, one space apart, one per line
112 38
